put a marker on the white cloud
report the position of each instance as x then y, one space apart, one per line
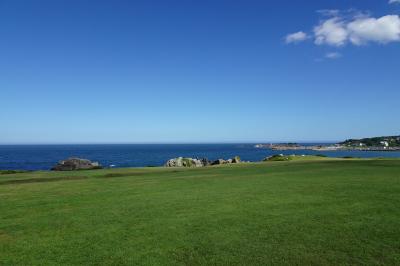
333 55
382 30
296 37
331 32
394 1
338 29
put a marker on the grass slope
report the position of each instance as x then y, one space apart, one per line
313 212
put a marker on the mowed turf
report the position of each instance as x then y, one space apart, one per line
311 212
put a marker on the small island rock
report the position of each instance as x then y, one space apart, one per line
76 164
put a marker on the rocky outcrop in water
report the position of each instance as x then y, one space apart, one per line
76 164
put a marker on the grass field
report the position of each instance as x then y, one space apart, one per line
301 212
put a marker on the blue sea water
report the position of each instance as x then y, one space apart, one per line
43 157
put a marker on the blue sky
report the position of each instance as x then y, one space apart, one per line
197 71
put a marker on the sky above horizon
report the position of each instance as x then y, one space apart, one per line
198 71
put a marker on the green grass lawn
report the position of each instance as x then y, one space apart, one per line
301 212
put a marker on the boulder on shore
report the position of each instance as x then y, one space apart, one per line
218 162
205 162
187 162
236 159
190 162
76 164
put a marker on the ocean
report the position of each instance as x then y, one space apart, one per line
43 157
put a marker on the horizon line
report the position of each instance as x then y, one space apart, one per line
168 143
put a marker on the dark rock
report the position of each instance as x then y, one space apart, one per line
76 164
236 159
205 162
218 162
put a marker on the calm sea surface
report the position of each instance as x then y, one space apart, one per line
43 157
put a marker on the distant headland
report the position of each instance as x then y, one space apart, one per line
385 143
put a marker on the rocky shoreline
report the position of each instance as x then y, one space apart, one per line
335 147
73 164
196 162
